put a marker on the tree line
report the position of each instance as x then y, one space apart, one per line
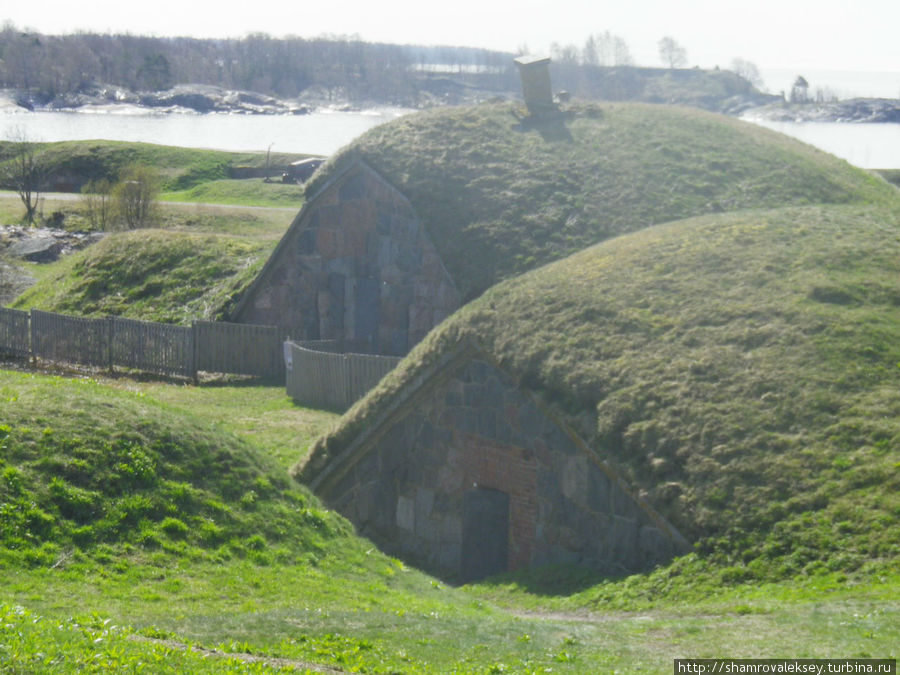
49 66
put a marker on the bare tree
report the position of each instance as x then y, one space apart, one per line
621 52
566 54
671 53
826 95
24 171
747 70
590 53
96 197
606 49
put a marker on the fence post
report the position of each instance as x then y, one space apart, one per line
110 336
31 340
195 346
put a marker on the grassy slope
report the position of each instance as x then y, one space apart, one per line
263 416
232 216
244 192
181 168
498 198
119 473
153 275
742 369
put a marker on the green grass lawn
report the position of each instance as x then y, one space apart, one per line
333 599
362 613
257 215
180 168
243 192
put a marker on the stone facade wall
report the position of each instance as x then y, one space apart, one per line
476 429
357 267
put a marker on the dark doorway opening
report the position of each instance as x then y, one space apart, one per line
485 535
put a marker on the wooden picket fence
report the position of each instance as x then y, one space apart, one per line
165 349
154 347
239 348
316 373
14 333
320 378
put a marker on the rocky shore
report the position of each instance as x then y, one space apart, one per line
432 90
190 98
201 98
854 110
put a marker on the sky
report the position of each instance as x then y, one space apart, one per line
796 35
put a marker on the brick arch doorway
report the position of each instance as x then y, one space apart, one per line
485 534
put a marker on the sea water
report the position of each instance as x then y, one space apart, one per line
319 133
870 146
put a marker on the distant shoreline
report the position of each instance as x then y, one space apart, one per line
854 110
182 99
207 99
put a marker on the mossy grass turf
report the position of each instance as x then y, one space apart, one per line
500 194
153 275
890 175
742 371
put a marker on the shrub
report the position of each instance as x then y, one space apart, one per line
97 200
175 528
135 196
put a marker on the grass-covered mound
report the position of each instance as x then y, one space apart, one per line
499 196
91 469
154 275
742 370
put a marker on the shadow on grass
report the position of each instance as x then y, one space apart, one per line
551 125
212 380
552 580
207 380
